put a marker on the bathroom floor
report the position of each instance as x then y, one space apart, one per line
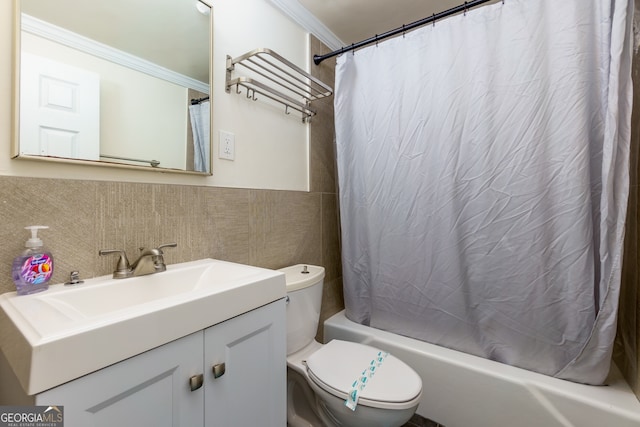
418 421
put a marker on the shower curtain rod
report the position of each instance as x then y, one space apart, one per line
199 100
317 59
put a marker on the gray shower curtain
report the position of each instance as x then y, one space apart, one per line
483 180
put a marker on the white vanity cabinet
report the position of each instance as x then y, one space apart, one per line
248 388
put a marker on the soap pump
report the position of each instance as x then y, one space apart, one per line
33 268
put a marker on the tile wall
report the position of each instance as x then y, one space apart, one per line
324 181
627 345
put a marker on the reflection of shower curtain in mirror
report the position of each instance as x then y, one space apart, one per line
483 176
200 118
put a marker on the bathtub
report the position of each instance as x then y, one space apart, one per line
461 390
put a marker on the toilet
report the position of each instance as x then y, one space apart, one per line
321 378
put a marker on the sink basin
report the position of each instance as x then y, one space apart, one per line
63 333
113 295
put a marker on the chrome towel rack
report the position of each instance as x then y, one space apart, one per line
278 79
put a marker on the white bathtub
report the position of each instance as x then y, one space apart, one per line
460 390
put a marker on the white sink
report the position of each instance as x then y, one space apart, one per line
65 332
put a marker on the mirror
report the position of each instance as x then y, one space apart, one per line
118 83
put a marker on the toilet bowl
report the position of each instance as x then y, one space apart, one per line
382 390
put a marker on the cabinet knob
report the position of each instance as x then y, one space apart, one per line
218 370
195 382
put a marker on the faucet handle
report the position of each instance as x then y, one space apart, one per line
159 260
123 268
167 245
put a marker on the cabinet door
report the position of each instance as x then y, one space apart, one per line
150 389
252 390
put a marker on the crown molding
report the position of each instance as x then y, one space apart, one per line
76 41
299 14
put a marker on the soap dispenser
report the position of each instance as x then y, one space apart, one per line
33 268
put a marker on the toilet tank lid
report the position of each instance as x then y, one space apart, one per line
301 276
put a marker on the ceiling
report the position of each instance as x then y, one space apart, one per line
355 20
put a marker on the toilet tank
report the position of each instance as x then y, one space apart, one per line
304 297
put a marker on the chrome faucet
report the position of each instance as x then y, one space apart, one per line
150 261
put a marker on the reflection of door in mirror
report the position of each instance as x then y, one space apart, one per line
60 109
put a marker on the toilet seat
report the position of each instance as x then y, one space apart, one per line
336 365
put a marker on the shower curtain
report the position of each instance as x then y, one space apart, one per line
200 118
483 180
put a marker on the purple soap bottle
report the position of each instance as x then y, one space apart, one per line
33 268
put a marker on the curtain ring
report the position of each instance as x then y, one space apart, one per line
434 20
404 32
465 8
377 40
353 49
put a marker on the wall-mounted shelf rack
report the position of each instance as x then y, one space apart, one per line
274 77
